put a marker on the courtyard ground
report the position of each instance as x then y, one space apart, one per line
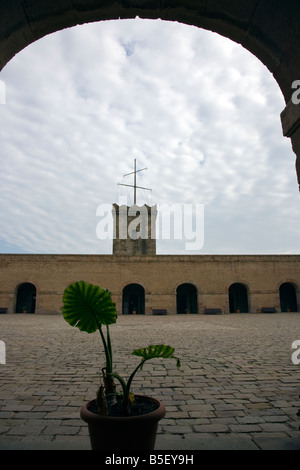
237 387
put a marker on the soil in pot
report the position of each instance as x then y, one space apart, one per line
140 407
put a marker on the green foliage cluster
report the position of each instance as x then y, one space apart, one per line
91 308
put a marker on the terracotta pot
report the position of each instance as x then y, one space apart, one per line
126 432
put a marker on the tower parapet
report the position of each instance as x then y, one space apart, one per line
134 230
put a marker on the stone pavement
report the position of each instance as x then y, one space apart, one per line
237 387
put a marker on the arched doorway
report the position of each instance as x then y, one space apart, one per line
238 298
186 299
133 300
288 297
26 298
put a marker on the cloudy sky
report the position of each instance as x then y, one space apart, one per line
197 110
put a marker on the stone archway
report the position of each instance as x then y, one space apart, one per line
269 30
26 298
288 297
238 298
133 301
186 299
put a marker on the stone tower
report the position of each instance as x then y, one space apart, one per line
134 226
134 230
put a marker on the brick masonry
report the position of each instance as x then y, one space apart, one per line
159 275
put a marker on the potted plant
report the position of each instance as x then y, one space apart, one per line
116 420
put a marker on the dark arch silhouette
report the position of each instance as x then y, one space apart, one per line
268 29
26 298
133 301
288 297
186 299
238 298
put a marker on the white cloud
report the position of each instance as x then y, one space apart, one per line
200 112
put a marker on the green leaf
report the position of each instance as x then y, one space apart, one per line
87 306
155 351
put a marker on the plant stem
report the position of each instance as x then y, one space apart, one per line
124 388
109 348
106 350
133 374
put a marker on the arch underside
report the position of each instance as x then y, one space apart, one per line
269 30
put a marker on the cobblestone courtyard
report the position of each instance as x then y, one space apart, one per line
237 387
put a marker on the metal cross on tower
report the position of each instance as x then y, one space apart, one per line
134 186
